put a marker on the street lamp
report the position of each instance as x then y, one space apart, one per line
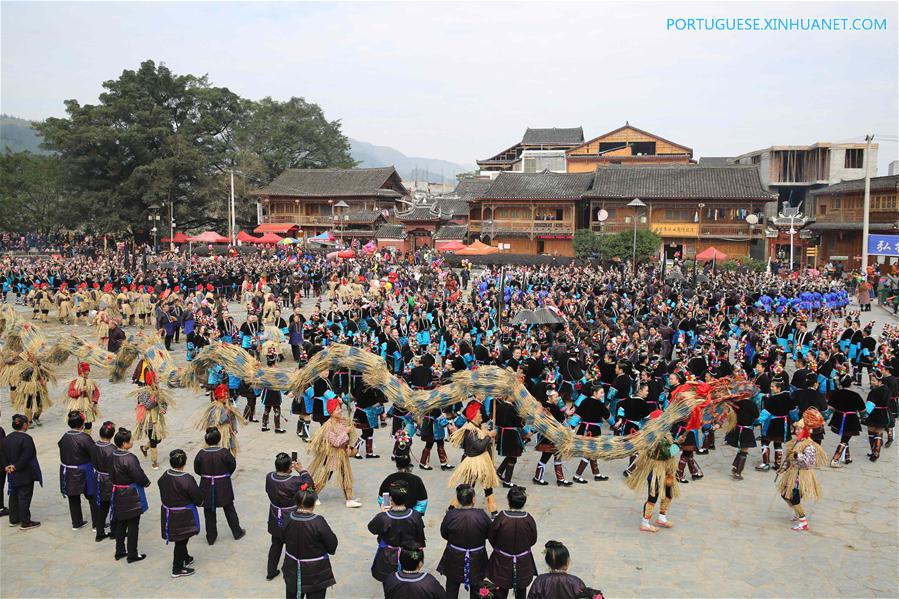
699 206
154 220
341 217
635 204
791 212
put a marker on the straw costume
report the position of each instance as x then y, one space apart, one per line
29 376
83 396
331 446
152 404
797 480
657 467
477 467
222 415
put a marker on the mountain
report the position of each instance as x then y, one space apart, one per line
410 168
17 135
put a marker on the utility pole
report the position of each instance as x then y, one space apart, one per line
171 225
866 225
232 220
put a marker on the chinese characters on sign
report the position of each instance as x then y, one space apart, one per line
883 245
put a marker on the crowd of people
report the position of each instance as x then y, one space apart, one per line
598 347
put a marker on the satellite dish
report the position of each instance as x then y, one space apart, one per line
602 215
752 219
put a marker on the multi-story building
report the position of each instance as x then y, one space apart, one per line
538 150
691 207
310 200
626 145
839 215
535 213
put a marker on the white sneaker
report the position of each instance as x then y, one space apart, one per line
353 503
318 502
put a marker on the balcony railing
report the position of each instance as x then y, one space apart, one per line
729 230
538 227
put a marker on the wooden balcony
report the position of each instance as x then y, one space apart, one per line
537 227
734 230
607 227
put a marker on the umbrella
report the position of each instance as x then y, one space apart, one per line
548 316
208 237
711 253
524 317
449 246
246 237
288 241
346 254
268 238
477 249
369 247
323 237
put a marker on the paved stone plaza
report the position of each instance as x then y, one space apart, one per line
730 538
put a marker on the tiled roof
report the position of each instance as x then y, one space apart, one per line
451 232
469 189
553 136
678 182
452 207
890 182
844 226
332 182
420 212
545 185
713 161
363 217
390 231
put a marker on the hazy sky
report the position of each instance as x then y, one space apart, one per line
462 81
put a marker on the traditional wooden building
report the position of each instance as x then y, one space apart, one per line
689 206
538 150
535 213
839 213
308 198
626 145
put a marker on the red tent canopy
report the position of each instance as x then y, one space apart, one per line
711 253
275 228
178 238
267 238
346 254
246 237
449 246
208 237
477 249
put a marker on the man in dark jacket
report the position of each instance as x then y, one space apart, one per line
116 337
22 468
76 469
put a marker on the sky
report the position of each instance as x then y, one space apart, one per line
462 81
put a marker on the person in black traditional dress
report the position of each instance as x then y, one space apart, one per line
308 541
629 416
179 518
395 527
417 494
369 405
215 465
102 460
742 436
410 582
557 583
591 411
554 406
271 400
807 396
509 442
845 422
76 468
23 470
879 418
4 511
777 429
512 534
282 486
465 529
129 500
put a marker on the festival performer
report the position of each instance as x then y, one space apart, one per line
557 583
410 582
512 534
878 404
282 486
591 411
63 301
845 422
657 467
331 446
129 500
22 471
629 417
222 415
152 404
102 461
433 431
775 417
369 406
76 469
742 436
214 465
308 541
477 467
84 395
417 494
271 400
797 480
556 408
179 519
29 377
395 527
464 561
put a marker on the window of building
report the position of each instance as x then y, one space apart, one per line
757 159
679 214
855 158
835 203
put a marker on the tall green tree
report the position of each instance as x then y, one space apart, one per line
155 137
33 195
588 244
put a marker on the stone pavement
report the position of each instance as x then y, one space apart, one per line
730 538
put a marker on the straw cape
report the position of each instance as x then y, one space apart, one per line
809 487
659 464
222 416
328 447
478 470
152 404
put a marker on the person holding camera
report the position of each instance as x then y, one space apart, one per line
282 486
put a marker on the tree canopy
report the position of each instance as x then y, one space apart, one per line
588 244
157 137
